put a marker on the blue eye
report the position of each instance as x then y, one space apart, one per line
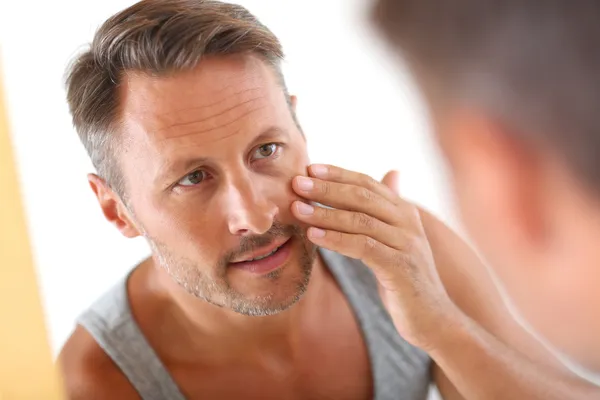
193 179
266 151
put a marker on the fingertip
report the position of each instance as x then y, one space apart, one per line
302 184
319 170
316 233
392 180
304 209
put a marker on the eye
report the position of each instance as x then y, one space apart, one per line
266 151
193 179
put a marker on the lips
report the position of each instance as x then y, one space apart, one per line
265 260
261 253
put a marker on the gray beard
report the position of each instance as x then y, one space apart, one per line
217 291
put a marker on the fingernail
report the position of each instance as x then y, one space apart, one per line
316 233
305 209
319 170
305 184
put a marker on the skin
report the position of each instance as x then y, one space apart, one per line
373 224
218 154
221 111
545 224
528 213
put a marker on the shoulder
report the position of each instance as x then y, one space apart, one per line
89 373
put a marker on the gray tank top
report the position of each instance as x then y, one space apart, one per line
400 371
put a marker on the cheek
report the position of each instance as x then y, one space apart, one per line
278 185
498 239
278 191
482 219
185 230
569 303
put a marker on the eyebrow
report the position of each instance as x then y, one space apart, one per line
181 166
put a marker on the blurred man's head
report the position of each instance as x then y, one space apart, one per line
183 109
514 90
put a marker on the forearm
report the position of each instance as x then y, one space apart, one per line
482 367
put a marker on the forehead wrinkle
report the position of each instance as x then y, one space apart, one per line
205 131
221 113
149 116
166 114
163 118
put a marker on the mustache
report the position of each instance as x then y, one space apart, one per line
249 243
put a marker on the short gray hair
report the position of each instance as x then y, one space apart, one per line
156 37
534 64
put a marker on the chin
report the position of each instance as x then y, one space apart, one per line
273 291
268 303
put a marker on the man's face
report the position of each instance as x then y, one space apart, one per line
208 160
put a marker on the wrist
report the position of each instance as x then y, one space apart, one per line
450 326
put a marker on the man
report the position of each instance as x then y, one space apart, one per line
183 109
513 88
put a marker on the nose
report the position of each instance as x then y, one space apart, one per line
248 208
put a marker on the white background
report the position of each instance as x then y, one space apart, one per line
358 109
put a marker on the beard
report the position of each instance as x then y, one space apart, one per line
215 288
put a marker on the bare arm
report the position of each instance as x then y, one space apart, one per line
370 223
482 367
486 349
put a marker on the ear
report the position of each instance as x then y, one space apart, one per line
112 207
293 102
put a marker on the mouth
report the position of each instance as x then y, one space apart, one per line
265 260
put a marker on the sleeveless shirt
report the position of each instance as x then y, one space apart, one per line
400 370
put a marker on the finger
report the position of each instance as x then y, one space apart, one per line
348 222
386 263
348 197
389 189
341 175
392 181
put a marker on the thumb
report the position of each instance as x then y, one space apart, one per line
392 180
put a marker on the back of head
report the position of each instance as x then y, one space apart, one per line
535 64
157 38
514 89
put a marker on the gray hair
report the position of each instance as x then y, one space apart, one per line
157 37
534 65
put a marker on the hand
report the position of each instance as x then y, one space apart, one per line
370 222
